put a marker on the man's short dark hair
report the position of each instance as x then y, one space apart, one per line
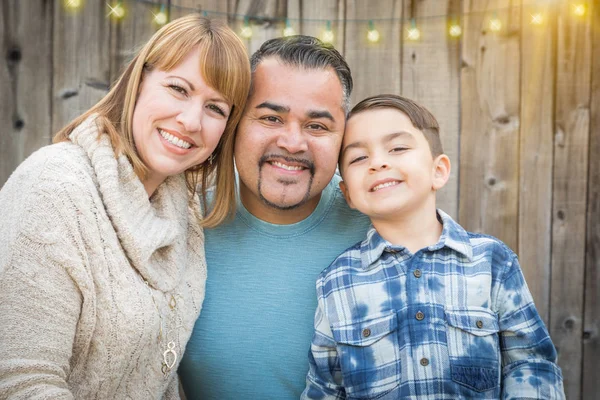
420 117
306 52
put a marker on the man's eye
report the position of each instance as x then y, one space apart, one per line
316 127
270 118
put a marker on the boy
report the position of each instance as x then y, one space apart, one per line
421 309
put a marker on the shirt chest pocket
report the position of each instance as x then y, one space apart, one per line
473 347
369 356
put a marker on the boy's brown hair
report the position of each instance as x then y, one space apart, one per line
420 117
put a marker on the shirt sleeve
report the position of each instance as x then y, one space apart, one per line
529 368
40 306
323 380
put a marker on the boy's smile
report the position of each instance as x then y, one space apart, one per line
387 166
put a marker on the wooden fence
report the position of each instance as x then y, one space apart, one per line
519 110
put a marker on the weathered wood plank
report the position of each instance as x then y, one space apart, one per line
267 19
25 80
314 20
81 60
431 76
537 126
489 164
128 35
591 322
376 67
574 54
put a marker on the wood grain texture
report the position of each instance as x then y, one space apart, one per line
535 177
25 80
127 36
431 76
81 59
490 104
591 321
376 67
571 143
313 20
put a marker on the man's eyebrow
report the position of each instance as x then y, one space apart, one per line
274 107
316 114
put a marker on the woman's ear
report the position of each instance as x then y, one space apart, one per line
441 171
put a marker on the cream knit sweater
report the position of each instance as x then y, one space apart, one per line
88 270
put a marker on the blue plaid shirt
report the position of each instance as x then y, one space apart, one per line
454 320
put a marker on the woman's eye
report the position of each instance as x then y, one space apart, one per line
217 109
178 88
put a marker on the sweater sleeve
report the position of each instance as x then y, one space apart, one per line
40 301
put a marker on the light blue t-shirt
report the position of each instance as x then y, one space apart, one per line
253 335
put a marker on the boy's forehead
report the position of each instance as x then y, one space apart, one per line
374 124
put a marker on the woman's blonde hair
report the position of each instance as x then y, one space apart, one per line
224 65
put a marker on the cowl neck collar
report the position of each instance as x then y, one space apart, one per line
155 233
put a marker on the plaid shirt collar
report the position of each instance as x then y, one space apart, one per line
453 236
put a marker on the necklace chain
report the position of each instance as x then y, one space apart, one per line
169 355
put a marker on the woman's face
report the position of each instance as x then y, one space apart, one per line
178 120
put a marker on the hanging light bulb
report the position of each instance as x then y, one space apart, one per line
413 32
495 24
161 17
537 18
288 31
373 34
455 30
327 35
73 4
246 29
579 9
116 11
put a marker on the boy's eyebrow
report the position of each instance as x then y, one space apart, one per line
274 107
386 139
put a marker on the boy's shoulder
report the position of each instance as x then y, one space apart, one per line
347 262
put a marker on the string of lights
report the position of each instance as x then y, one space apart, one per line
160 16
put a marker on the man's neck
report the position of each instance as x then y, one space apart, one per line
413 230
275 215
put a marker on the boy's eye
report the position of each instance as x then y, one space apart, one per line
398 149
357 159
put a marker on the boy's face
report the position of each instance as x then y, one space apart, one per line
387 166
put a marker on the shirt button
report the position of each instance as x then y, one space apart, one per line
420 316
366 332
417 273
424 362
479 324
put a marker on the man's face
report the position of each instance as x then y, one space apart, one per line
288 140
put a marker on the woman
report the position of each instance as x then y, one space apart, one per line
102 265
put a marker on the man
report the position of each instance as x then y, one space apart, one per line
255 328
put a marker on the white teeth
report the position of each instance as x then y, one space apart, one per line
287 167
384 185
174 140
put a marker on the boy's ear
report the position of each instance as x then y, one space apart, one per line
441 171
344 190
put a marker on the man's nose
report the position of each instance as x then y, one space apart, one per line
191 118
292 139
